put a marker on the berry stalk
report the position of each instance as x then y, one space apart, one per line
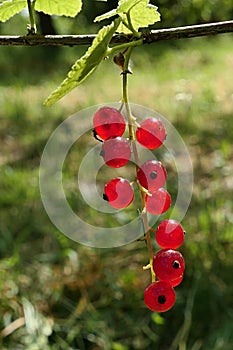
131 122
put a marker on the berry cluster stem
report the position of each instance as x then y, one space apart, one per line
131 123
31 5
125 98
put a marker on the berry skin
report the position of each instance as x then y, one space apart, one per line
168 265
159 202
159 296
108 122
169 234
119 193
151 133
177 281
116 152
151 175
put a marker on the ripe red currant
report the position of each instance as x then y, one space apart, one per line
116 152
159 296
108 122
176 281
119 193
168 265
151 175
169 234
159 202
151 133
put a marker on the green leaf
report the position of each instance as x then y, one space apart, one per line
69 8
10 8
86 64
126 5
141 15
105 16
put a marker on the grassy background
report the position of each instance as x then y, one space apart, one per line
74 297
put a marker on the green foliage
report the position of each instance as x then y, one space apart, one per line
140 16
179 12
10 8
106 15
86 64
134 14
68 8
125 6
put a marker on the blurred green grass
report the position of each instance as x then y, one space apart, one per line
74 297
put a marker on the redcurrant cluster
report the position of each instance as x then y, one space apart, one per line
168 263
168 266
109 125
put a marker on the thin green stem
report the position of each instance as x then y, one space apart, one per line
121 47
131 126
130 25
31 11
125 95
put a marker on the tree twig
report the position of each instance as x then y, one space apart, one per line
150 37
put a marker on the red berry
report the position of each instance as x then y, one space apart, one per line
159 202
152 175
159 296
168 265
176 281
116 152
151 133
119 193
108 122
169 234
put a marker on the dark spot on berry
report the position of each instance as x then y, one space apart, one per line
105 197
153 175
176 264
162 299
102 153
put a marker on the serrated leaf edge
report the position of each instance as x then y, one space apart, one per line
57 95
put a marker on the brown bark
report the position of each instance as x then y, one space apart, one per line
150 37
